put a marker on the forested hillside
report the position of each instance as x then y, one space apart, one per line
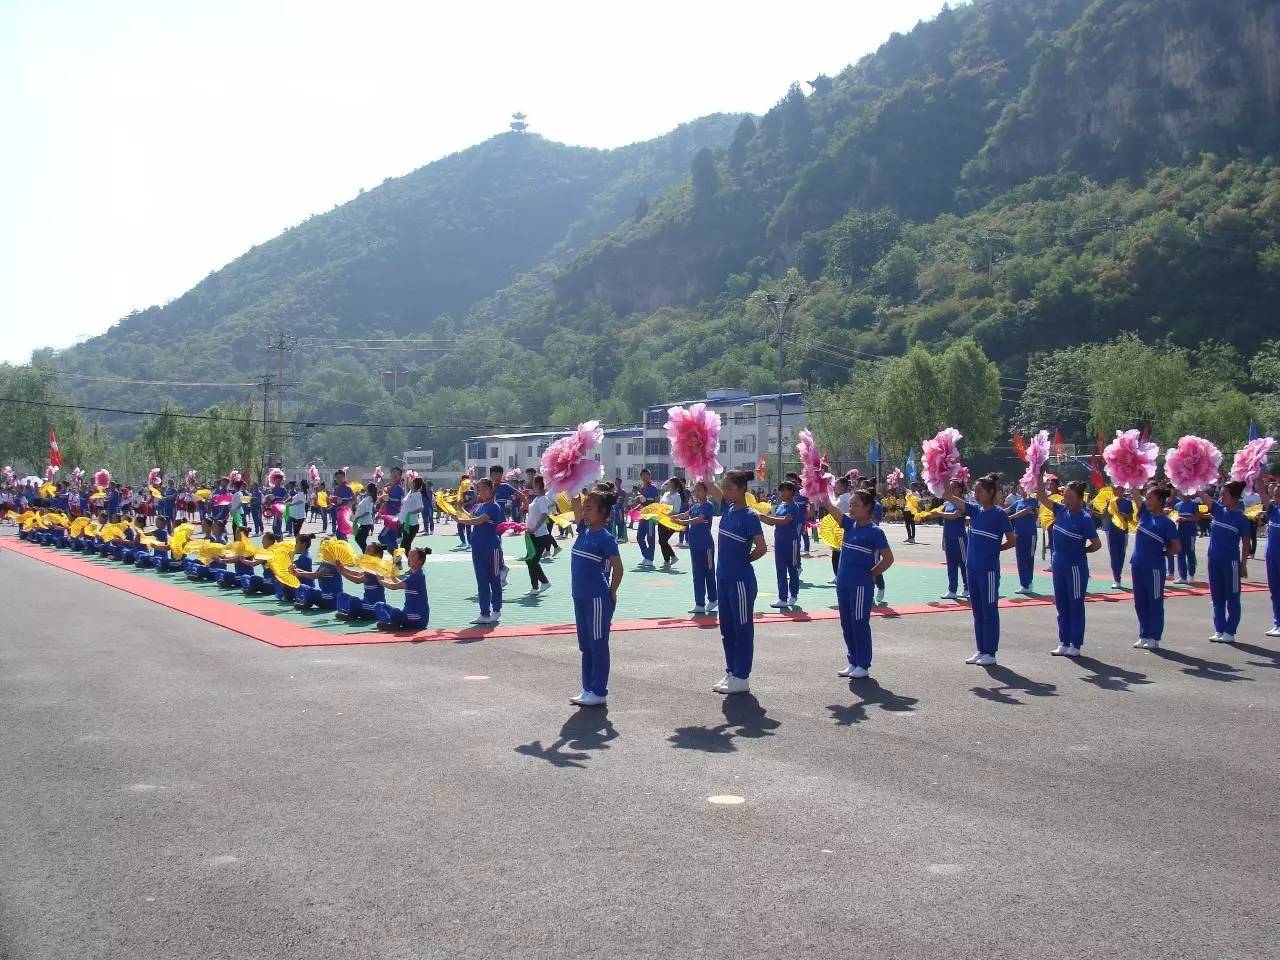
1012 199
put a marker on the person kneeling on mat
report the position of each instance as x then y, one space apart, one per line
416 610
362 608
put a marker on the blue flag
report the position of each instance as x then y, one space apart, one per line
1253 430
909 468
873 453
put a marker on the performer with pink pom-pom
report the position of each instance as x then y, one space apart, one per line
595 575
1271 511
1156 541
1228 558
1130 462
940 467
741 543
1075 536
990 533
864 556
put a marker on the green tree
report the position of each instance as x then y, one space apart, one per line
706 179
742 138
896 273
970 394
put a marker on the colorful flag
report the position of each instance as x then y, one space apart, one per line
55 456
873 454
762 468
1059 445
1253 430
1020 447
909 468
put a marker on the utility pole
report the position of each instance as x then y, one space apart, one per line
780 313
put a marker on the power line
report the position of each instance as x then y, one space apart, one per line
151 383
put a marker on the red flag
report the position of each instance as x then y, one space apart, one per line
1095 477
1059 445
762 471
55 457
1020 447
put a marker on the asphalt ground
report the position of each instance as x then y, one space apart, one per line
172 790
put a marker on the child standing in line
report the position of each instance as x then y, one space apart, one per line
595 573
741 545
1228 559
864 554
702 550
1075 536
1024 513
416 611
486 552
990 533
787 519
1271 512
1155 542
953 543
647 494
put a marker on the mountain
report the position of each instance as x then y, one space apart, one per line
1030 175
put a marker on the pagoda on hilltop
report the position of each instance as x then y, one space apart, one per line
518 124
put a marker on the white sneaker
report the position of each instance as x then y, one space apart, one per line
1115 584
780 603
1273 632
1071 652
698 611
483 619
846 672
1059 651
502 578
578 698
544 588
857 673
879 597
949 595
974 659
711 608
589 699
1141 642
1228 638
1025 591
1151 645
737 685
646 564
1217 638
721 685
964 596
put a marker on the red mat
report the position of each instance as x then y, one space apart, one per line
279 632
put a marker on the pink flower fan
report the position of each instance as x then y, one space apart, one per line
940 460
102 478
510 526
410 476
963 474
1037 457
313 474
77 475
1130 460
153 477
191 478
8 474
568 465
275 477
1251 460
815 482
377 474
1193 464
695 440
233 476
49 471
895 477
513 476
853 474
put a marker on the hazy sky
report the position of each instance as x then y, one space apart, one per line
149 142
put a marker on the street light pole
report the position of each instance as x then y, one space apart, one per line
780 313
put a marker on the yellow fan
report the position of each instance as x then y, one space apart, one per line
179 538
1046 515
90 529
97 495
831 532
356 487
322 499
209 550
660 512
762 507
47 490
337 553
241 549
380 566
1254 512
78 525
111 531
563 503
447 505
564 520
203 494
155 492
279 560
463 487
148 541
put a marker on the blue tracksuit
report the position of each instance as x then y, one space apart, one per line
1272 557
859 552
803 503
322 592
953 546
593 605
987 529
1154 535
365 606
1026 529
416 612
644 528
1188 532
736 588
786 549
1229 527
702 554
1118 538
1072 532
486 558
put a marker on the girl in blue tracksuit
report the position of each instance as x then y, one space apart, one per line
1188 532
1271 508
364 607
320 587
595 574
864 555
1117 535
1155 541
1024 513
486 552
243 565
702 550
990 533
644 528
246 579
1229 534
741 544
953 542
301 561
1075 536
787 520
416 611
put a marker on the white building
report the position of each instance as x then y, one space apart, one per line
748 429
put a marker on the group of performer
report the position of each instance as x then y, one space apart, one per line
724 526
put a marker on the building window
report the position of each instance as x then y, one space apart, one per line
634 448
493 453
751 443
656 418
657 447
724 445
511 461
531 449
475 450
739 444
542 447
617 449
